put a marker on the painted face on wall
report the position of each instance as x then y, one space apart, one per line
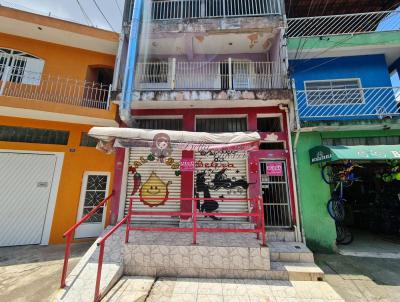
154 191
161 146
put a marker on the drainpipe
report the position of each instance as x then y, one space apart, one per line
296 166
294 178
129 74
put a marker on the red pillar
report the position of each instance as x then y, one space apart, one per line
118 174
187 178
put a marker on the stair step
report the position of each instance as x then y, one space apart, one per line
276 235
290 252
130 289
295 272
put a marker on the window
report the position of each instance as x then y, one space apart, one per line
334 92
272 146
87 141
159 124
215 125
358 141
269 124
20 67
33 135
95 192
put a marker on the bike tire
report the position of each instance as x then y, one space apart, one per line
343 236
327 175
336 209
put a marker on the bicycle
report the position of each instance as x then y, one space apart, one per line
333 174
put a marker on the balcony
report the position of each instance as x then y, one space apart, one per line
348 104
210 76
19 83
345 24
197 9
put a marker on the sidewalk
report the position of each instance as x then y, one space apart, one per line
359 279
32 273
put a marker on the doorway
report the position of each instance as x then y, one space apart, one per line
97 86
275 193
95 187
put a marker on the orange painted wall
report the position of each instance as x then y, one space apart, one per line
59 60
74 166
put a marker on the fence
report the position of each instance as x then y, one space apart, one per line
192 9
17 81
325 104
223 75
343 24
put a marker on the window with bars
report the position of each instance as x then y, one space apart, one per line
95 192
215 125
33 135
87 141
334 92
358 141
21 67
160 124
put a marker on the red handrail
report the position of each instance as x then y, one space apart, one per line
258 213
71 231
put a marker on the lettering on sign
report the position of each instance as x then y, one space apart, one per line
274 169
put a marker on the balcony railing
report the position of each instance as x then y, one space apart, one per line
224 75
194 9
20 83
355 103
343 24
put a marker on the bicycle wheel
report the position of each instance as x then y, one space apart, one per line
336 209
328 175
343 235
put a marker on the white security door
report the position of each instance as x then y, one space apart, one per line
25 182
94 190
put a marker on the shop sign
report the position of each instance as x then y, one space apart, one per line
274 169
187 165
320 154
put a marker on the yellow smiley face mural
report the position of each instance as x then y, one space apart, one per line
154 191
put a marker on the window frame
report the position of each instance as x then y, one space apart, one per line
360 87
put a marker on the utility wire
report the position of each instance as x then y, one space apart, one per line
104 16
85 15
119 8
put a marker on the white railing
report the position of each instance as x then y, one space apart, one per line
336 104
343 24
193 9
16 81
223 75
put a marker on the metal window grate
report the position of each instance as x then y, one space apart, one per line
33 135
357 141
87 141
159 124
334 92
215 125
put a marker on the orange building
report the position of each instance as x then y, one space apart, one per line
55 83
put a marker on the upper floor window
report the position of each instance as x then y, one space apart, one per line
334 92
20 67
216 125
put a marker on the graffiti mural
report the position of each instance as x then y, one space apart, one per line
219 173
154 191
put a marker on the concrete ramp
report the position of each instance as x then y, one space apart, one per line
82 280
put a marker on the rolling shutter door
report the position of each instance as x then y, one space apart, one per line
166 174
236 172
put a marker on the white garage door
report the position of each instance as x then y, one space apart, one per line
25 182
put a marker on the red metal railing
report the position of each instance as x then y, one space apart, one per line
257 214
69 234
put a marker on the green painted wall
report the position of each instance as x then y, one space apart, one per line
319 227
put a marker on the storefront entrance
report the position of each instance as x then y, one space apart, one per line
275 193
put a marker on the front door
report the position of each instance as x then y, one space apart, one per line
275 193
94 190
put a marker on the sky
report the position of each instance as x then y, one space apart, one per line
69 10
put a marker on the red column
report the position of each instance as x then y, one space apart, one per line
187 178
118 173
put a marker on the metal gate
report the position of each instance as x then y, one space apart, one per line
275 193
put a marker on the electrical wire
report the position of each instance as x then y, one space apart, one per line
119 8
104 16
85 15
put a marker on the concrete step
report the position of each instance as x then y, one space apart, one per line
290 252
280 235
130 289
